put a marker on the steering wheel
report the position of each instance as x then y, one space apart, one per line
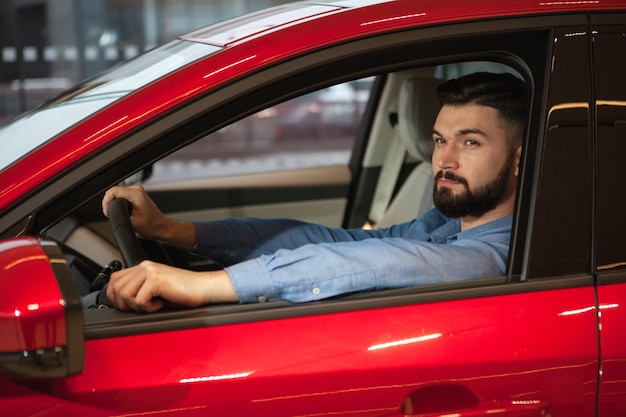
128 245
123 232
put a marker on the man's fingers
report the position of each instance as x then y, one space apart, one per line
147 298
130 193
124 286
134 288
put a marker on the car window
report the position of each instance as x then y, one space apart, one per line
314 130
610 98
561 239
92 96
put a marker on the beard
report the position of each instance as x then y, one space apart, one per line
472 203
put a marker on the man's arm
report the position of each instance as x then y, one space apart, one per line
147 286
315 272
231 241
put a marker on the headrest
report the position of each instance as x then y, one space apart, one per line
418 107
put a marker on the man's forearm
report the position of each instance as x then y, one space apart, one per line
180 234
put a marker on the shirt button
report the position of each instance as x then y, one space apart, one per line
262 299
316 291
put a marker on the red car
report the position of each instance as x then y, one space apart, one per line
542 340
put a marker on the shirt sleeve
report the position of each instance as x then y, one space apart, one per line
284 259
232 241
314 272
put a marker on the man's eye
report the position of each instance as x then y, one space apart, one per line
471 142
439 140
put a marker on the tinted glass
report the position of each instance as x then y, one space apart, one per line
561 237
610 90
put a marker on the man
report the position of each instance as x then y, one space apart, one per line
478 136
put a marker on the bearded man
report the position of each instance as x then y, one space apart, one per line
477 135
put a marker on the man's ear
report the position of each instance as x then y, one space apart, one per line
518 157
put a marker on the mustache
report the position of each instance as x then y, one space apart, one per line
450 176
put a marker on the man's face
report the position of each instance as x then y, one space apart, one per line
474 168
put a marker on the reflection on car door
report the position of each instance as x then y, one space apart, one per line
480 353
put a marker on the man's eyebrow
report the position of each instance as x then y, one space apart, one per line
471 131
464 132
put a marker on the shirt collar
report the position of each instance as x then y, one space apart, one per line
451 229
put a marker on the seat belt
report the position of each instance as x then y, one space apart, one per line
390 171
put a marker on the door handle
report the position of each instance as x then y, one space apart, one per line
508 408
459 401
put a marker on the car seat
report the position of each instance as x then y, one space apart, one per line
418 106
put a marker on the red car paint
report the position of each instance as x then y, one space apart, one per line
520 351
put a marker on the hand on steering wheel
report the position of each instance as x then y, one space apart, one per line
126 240
124 234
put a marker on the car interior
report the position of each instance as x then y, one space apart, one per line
390 182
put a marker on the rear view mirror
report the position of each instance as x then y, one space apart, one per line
41 319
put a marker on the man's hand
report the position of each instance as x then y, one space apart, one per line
148 221
149 285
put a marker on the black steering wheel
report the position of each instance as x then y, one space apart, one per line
124 234
128 245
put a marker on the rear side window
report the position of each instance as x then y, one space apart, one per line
610 90
561 237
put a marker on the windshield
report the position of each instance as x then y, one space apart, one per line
41 124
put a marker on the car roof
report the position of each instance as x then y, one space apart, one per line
387 15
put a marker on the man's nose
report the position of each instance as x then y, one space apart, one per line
447 157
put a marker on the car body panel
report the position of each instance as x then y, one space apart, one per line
612 317
341 366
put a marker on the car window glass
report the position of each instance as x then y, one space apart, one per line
92 96
561 237
314 130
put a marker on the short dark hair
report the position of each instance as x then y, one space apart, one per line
504 92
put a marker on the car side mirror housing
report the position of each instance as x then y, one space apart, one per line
41 318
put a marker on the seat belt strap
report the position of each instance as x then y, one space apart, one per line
389 173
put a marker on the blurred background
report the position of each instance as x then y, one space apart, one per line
47 46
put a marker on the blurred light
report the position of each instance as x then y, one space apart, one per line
586 309
267 113
405 341
390 19
567 3
215 378
229 66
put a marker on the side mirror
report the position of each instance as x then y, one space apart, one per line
41 318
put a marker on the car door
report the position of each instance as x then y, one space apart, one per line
610 102
523 344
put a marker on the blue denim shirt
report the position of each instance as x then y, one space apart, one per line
281 259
